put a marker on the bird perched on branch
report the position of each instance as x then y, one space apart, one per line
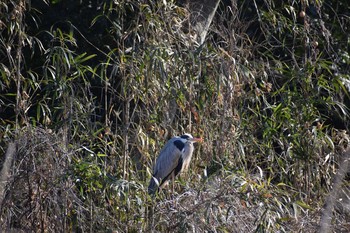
174 158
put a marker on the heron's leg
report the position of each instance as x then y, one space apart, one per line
173 190
173 183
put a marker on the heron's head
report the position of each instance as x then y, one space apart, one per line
190 138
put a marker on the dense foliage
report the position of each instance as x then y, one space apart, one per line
91 91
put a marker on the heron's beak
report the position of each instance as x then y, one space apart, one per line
196 140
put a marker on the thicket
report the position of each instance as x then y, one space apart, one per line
91 91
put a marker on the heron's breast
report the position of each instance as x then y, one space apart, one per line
187 156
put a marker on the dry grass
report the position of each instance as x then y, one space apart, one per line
39 193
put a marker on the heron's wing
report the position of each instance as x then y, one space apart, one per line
167 161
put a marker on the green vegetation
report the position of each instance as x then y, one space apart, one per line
90 92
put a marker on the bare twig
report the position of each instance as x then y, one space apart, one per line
6 168
325 222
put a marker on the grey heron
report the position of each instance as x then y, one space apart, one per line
175 157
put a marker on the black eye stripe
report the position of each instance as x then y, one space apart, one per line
185 136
